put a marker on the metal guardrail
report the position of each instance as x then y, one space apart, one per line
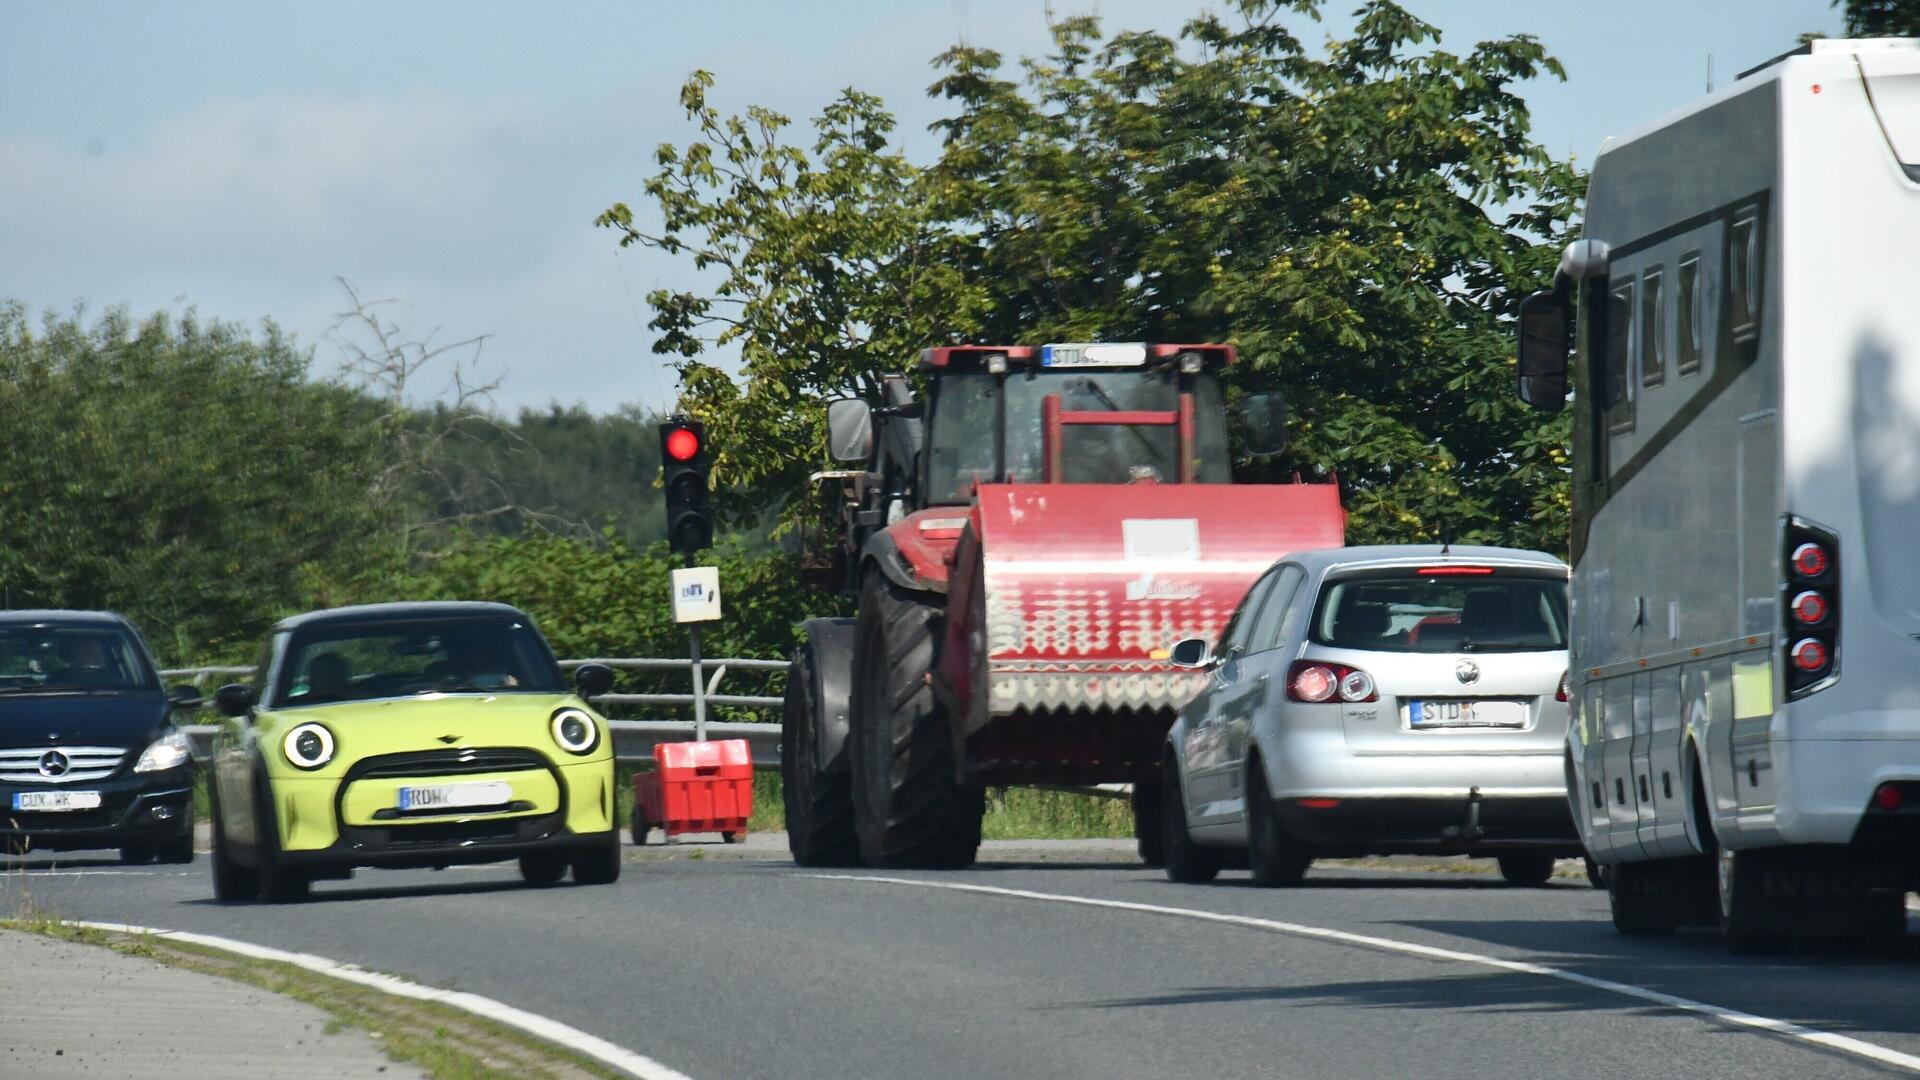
633 740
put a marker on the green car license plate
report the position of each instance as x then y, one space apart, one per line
456 796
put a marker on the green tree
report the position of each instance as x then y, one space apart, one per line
185 473
1881 18
1330 214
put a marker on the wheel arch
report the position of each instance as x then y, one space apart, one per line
828 649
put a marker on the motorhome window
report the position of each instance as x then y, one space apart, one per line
1688 314
1743 272
1619 357
1653 329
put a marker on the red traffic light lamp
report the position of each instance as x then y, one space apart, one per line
682 442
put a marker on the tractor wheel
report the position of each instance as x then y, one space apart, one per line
1146 824
910 809
819 801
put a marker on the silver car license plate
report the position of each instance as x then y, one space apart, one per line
56 800
1460 713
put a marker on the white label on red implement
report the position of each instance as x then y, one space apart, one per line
56 801
456 796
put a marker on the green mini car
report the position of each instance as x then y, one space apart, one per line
410 735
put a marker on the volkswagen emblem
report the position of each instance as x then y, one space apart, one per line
53 763
1467 672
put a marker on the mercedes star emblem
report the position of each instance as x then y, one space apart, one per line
53 763
1467 672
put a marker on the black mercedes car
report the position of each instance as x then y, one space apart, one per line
89 754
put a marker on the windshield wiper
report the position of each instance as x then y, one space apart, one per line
1114 406
1469 645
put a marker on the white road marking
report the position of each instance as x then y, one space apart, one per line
551 1030
1732 1017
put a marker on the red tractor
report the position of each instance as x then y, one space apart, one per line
1027 543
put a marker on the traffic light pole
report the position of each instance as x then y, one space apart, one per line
699 679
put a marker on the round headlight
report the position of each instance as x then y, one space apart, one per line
308 746
575 731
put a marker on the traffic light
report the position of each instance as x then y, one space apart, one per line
683 465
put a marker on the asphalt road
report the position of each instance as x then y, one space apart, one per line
729 967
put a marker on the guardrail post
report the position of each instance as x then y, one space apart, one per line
699 686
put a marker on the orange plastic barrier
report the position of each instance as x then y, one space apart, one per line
695 787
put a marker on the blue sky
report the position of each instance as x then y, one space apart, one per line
240 156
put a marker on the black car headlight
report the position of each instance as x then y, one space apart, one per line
169 751
308 746
575 731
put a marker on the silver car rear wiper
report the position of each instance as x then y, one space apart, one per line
1470 645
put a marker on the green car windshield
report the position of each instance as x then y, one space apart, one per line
333 663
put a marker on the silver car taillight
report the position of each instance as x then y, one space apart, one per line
1313 682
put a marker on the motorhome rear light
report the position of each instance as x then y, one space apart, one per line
1455 571
1810 608
1313 682
1809 655
1888 797
1565 693
1319 804
1810 560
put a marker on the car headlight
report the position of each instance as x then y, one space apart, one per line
308 746
575 731
166 752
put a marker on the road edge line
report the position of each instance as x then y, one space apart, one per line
1730 1017
553 1031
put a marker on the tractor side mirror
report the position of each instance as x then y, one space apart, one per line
1263 423
849 430
234 699
592 680
185 697
1546 337
1189 653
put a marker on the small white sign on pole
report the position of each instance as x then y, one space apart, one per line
696 594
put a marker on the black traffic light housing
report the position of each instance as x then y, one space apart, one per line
683 467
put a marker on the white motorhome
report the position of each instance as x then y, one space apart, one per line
1743 313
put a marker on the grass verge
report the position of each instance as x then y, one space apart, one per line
445 1042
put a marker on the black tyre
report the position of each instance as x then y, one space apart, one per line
599 865
178 848
137 854
279 883
1147 826
1596 874
819 801
545 868
231 881
1749 922
733 837
1276 858
1186 861
1526 869
641 827
910 809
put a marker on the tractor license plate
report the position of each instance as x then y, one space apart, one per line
1455 713
455 796
56 801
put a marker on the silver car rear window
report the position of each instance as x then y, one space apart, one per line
1442 610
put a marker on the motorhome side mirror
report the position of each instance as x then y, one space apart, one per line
1263 423
185 697
234 699
1546 334
592 680
1189 653
849 430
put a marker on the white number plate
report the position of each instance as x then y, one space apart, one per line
455 796
1455 713
56 800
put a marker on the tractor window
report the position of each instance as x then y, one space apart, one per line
1111 455
962 449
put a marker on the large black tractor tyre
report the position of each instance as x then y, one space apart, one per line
910 809
819 801
1186 861
1274 856
1146 824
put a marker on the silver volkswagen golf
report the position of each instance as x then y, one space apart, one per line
1378 701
